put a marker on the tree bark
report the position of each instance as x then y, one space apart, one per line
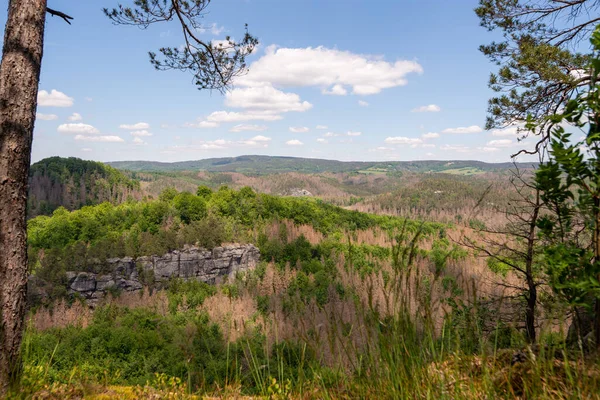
19 79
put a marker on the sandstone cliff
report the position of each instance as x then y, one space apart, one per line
130 274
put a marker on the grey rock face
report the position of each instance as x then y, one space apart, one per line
130 274
297 192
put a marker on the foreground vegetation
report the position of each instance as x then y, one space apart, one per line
344 305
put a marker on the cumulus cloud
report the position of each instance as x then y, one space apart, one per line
138 141
363 103
321 140
488 149
86 149
299 129
261 138
265 99
430 135
78 128
331 134
75 117
428 108
225 116
336 90
459 148
213 28
327 68
500 143
508 131
99 138
142 132
403 140
294 142
201 124
135 127
248 127
350 133
321 127
220 144
467 129
46 117
53 99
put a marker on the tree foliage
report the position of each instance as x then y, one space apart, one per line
214 64
570 184
540 67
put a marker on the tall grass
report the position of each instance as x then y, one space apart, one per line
398 323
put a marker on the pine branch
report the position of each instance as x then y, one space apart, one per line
59 14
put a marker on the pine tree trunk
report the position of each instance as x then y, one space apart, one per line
19 78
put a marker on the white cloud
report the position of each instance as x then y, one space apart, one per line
220 144
350 133
402 140
75 117
489 149
142 132
135 127
99 138
299 129
459 148
213 29
46 117
428 145
579 73
428 108
54 99
261 138
508 131
429 154
86 149
138 141
321 140
430 135
331 134
336 90
294 142
248 127
363 103
461 129
201 124
321 127
326 68
266 99
88 99
225 116
500 143
78 128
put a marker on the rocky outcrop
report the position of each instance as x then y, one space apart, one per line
297 192
131 274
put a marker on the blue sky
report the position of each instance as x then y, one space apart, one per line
336 79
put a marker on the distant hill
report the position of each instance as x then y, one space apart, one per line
73 183
268 165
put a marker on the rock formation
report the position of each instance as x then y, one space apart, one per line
131 274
